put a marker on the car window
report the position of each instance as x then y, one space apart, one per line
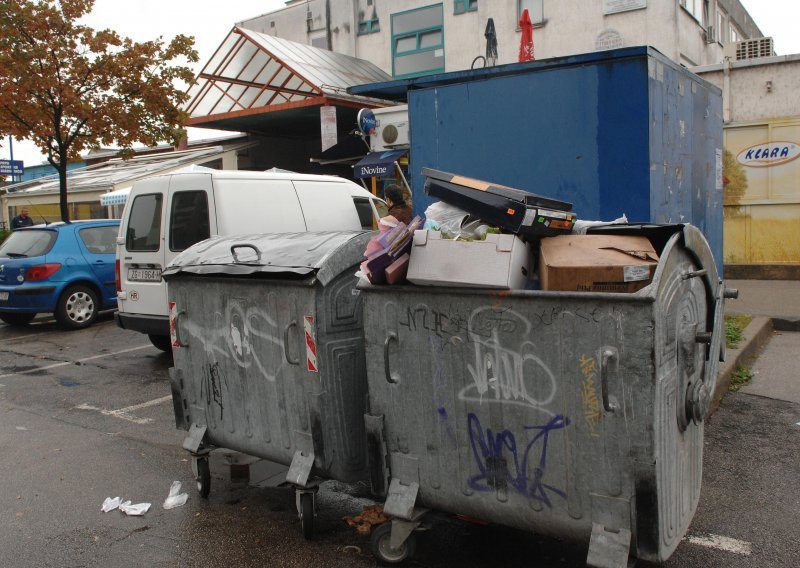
383 209
188 219
99 240
144 223
31 242
364 210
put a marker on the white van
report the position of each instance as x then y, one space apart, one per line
167 214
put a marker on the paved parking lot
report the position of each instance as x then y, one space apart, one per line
87 415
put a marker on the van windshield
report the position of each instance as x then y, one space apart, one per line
144 224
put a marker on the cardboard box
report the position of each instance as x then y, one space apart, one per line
596 263
501 261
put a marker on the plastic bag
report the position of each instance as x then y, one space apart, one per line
175 497
581 227
110 504
454 223
134 510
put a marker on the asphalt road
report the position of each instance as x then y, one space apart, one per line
87 415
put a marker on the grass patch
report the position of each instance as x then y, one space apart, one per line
740 377
734 329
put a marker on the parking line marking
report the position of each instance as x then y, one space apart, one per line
65 363
722 543
125 413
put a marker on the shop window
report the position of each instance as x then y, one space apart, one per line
369 26
461 6
535 10
418 41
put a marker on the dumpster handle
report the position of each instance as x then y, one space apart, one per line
180 341
253 247
391 336
286 344
605 357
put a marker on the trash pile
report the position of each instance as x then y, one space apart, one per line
486 235
174 499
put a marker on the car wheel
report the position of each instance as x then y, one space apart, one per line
162 342
77 307
17 319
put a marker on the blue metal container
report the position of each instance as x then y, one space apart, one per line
621 131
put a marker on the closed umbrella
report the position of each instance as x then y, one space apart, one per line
526 42
491 43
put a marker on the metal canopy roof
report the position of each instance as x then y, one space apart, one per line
117 173
254 75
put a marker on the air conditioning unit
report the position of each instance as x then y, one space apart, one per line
750 49
391 128
710 34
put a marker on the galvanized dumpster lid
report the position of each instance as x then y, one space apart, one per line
325 254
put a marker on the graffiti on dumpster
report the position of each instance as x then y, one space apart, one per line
235 332
502 464
589 398
211 388
508 371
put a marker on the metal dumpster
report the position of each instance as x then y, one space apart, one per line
578 415
269 355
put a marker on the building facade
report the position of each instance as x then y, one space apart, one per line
762 171
408 38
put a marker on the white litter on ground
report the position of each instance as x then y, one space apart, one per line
110 504
134 510
175 497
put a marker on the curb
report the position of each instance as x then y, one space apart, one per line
756 335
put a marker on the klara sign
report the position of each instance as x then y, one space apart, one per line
768 154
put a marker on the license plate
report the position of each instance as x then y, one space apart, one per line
3 296
144 274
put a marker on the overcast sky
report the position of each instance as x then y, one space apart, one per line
210 21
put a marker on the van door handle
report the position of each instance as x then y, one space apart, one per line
386 368
286 345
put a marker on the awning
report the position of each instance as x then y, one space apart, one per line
117 197
378 164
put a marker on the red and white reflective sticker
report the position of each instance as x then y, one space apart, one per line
311 344
173 320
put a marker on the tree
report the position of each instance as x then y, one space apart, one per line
68 87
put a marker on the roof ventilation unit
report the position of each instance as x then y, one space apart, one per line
750 49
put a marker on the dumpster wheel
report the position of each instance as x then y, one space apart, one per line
203 477
381 548
307 514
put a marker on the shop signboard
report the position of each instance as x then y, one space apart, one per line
12 167
762 193
615 6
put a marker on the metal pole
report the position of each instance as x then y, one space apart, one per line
11 155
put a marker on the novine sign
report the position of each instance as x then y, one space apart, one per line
768 154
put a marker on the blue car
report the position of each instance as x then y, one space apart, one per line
63 268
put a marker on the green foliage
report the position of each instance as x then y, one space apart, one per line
68 87
734 329
741 377
4 235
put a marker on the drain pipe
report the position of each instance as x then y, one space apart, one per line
726 90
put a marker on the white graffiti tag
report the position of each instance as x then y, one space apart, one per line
508 374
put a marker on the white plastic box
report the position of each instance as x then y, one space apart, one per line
501 261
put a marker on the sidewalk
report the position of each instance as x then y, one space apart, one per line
774 305
776 299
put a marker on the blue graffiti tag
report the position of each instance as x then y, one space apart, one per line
492 453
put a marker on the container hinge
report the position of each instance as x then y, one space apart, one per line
608 548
